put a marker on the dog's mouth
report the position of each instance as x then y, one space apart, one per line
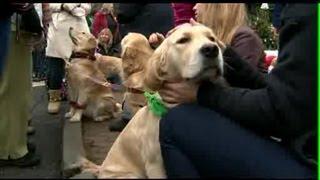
212 71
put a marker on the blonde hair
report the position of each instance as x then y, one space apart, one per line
223 18
107 7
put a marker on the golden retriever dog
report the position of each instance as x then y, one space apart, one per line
136 51
88 90
190 53
109 65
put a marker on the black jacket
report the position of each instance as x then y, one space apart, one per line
144 18
282 104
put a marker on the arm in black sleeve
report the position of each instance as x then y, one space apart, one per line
286 106
253 108
126 12
239 73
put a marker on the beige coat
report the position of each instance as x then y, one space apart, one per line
59 43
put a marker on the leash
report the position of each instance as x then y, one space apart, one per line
106 84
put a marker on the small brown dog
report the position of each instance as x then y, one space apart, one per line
88 90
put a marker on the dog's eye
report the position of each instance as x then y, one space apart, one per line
83 33
183 40
212 38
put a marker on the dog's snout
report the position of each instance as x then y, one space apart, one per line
209 50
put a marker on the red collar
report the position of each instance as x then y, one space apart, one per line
134 91
82 55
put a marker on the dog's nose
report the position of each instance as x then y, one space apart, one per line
209 50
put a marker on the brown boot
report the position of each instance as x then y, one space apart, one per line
54 101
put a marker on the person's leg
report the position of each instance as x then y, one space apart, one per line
54 82
35 64
4 36
42 63
55 73
15 95
195 140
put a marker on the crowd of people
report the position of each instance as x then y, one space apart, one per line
263 126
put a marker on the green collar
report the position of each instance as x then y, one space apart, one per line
155 103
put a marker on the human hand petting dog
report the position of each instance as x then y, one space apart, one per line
155 39
182 91
179 92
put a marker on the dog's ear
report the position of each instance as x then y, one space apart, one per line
129 52
155 69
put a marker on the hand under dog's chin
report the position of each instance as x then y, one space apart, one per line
205 74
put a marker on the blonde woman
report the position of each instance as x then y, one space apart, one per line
230 23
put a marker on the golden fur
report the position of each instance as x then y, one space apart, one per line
110 65
136 152
136 51
85 83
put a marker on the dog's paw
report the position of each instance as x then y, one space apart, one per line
68 115
75 119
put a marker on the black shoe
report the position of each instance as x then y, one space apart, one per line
118 125
30 159
31 147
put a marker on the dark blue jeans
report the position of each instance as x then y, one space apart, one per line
39 62
4 45
198 142
55 72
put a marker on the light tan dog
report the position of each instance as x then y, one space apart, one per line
110 65
190 53
88 90
136 51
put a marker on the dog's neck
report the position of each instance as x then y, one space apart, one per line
86 55
134 83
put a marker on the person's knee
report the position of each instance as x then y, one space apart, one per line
176 115
174 118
